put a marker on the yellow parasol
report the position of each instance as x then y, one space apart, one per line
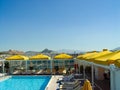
115 56
17 57
87 85
108 58
63 56
84 56
39 57
92 57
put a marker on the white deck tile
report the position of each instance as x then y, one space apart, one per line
52 85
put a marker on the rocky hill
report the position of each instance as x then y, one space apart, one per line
45 51
12 52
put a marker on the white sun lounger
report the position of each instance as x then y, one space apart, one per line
39 72
2 74
71 85
17 72
68 78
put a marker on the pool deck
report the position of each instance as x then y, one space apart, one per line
52 85
4 78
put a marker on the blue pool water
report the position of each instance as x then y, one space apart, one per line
25 83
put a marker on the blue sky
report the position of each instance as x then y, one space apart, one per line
59 24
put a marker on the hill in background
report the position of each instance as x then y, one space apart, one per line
118 48
45 51
12 52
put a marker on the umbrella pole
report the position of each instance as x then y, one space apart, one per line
79 66
92 72
3 66
9 71
26 65
51 66
84 71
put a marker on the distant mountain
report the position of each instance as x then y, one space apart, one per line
12 52
46 51
31 53
69 51
118 48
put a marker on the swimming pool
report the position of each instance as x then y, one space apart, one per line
25 83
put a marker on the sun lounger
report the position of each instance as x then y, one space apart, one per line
78 76
64 71
68 78
39 72
2 74
65 79
71 85
16 72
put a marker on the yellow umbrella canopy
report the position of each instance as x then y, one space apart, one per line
117 63
39 57
114 57
17 57
108 59
79 56
92 57
63 56
87 85
84 56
